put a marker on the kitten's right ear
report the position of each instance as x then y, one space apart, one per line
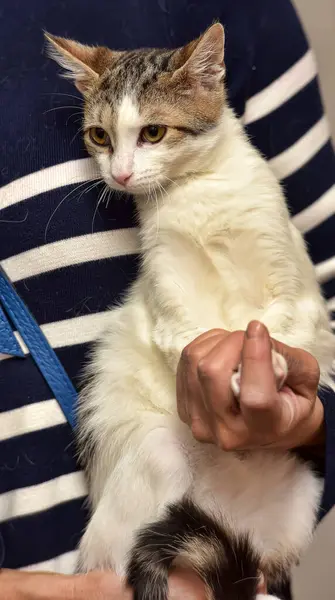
202 61
83 64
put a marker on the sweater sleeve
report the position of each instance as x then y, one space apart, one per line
285 119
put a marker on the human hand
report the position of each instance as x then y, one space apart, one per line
96 585
263 416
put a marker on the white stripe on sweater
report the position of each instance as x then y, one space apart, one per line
67 173
33 499
29 418
295 157
79 330
316 213
71 251
325 270
281 90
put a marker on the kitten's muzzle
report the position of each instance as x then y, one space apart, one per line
122 178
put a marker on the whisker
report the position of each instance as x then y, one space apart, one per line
94 214
246 579
110 194
63 200
62 108
63 94
100 200
74 115
157 213
76 134
90 188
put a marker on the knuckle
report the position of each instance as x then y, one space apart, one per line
227 443
226 439
190 355
208 369
187 354
238 336
199 431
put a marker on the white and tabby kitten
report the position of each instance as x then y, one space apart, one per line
218 250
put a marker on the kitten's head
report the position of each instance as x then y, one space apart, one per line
150 116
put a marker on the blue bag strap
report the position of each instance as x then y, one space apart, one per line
37 344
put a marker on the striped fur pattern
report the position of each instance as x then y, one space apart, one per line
193 191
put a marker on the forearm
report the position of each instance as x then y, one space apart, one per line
21 585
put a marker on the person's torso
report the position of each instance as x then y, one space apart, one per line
69 258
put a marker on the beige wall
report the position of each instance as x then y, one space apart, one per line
319 19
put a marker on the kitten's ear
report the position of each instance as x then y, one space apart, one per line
83 64
203 59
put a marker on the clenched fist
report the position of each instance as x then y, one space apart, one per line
267 412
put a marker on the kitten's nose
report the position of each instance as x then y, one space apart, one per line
122 178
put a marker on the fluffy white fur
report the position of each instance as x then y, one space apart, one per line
218 251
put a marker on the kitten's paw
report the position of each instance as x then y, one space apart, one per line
280 369
235 382
266 597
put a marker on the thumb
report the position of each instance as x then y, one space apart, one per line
259 402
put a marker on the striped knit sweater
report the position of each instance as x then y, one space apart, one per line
70 258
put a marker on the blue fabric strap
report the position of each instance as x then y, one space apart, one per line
38 346
8 341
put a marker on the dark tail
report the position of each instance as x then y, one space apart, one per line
224 559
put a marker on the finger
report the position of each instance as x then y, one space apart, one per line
182 394
211 333
209 360
303 368
191 409
189 391
259 397
215 372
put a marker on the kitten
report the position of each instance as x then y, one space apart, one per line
218 250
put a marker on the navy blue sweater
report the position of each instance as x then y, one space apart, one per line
69 263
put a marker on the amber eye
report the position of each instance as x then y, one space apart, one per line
99 136
153 133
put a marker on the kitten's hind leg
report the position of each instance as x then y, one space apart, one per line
151 473
280 370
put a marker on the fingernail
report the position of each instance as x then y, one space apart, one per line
255 329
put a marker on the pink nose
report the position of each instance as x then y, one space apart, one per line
122 178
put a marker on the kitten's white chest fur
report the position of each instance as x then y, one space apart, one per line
218 251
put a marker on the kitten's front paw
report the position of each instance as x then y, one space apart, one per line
280 369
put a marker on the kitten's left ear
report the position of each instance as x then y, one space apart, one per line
203 59
83 64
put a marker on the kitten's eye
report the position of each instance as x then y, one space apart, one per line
153 133
99 136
